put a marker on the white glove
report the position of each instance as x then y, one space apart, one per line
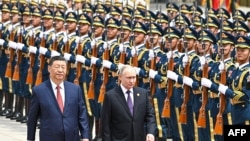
120 65
93 60
188 81
121 48
202 60
169 54
185 60
172 75
32 49
77 40
137 70
55 53
152 73
206 82
41 34
20 46
221 66
105 45
53 37
80 58
10 28
1 42
133 51
222 89
12 44
1 26
67 56
43 50
151 54
106 64
31 33
65 39
93 43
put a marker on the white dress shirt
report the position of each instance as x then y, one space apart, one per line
62 90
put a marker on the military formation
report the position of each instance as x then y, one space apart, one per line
194 62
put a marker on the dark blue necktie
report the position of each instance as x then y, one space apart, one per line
129 102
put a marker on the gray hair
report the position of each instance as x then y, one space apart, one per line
124 67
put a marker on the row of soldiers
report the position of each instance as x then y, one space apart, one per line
189 60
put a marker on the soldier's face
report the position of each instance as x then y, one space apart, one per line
78 5
156 39
26 19
242 55
191 44
36 21
213 30
173 43
207 45
112 32
48 22
15 18
139 37
126 34
59 24
84 28
71 26
5 16
227 49
248 23
98 30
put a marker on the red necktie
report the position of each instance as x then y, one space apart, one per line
59 99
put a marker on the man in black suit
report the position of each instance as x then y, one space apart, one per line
60 107
127 116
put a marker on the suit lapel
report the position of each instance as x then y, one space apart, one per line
122 99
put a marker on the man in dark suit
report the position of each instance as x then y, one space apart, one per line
127 116
60 107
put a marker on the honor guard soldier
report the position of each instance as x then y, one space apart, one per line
201 105
97 43
185 10
185 74
139 54
149 17
226 15
115 12
227 42
139 15
248 19
88 9
101 10
237 91
61 6
172 10
158 94
198 21
5 9
46 34
60 32
162 20
71 44
13 85
127 13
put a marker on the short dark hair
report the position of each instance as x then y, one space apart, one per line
56 58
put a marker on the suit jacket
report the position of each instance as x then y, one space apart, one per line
118 124
55 125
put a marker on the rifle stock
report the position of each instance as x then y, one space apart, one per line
183 113
202 112
29 78
39 77
105 78
166 107
67 50
91 91
16 74
135 64
218 129
152 83
8 72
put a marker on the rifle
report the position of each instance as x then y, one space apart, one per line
105 72
135 57
152 61
91 91
183 113
218 129
79 52
166 107
202 112
16 74
8 72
